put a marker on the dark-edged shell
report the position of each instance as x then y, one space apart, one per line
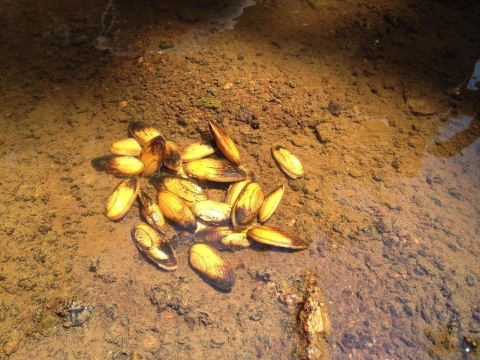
211 266
152 213
152 155
214 170
198 150
289 163
129 147
224 143
118 165
142 132
270 203
184 188
172 158
222 238
122 198
272 236
247 205
175 210
154 246
235 189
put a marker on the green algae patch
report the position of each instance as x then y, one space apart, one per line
208 103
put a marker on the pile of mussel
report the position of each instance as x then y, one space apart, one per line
216 225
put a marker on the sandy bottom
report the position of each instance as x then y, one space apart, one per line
371 96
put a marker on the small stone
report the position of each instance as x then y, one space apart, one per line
470 280
334 108
165 44
420 107
123 104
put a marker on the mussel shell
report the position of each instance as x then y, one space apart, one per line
247 205
211 211
198 150
152 213
129 147
235 189
214 170
211 266
152 155
224 143
273 236
222 238
172 158
270 203
122 198
118 165
154 246
289 163
184 188
174 209
142 132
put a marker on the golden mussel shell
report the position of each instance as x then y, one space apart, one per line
211 266
198 150
247 205
175 210
142 132
235 189
184 188
222 238
118 165
129 147
151 212
272 236
288 162
122 198
152 155
154 246
224 143
270 203
214 170
172 158
213 212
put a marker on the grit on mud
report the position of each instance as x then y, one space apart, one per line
375 98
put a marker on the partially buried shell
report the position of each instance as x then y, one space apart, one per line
154 246
142 132
270 203
118 165
172 158
289 163
272 236
211 211
222 238
214 170
184 188
247 205
198 150
224 143
211 266
174 209
122 198
152 213
128 146
152 155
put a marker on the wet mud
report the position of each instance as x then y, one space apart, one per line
372 97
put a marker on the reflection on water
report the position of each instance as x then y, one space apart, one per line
184 30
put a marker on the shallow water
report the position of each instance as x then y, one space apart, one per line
376 100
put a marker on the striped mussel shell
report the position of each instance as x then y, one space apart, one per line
175 210
151 212
154 246
184 188
198 150
222 238
211 266
118 165
273 236
270 203
129 147
224 143
289 163
247 205
152 155
213 212
142 132
122 198
214 170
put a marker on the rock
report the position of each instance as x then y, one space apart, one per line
419 107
